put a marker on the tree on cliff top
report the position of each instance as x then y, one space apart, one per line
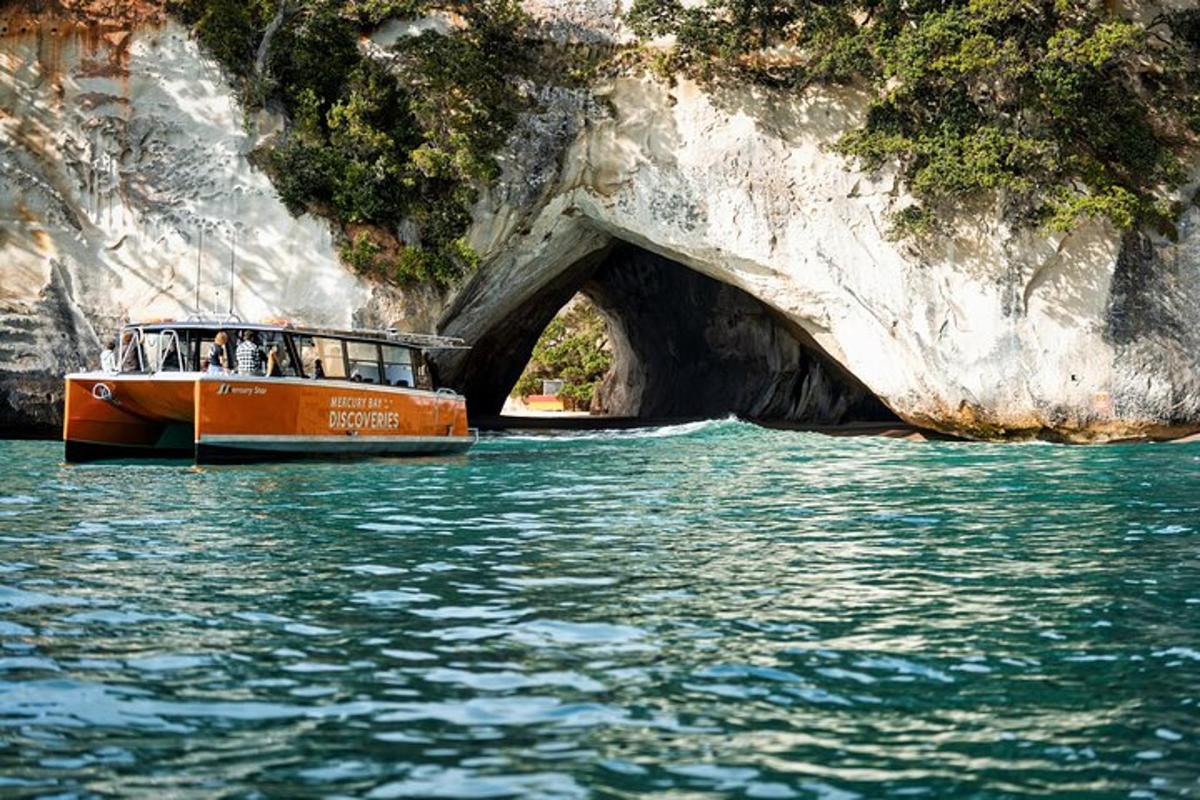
1065 108
394 149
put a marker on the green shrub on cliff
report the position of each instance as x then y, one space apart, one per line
1066 109
229 29
400 146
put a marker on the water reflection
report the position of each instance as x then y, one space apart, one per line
714 610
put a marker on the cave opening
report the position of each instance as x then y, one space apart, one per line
681 345
569 364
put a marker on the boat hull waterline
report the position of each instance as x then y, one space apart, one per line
231 418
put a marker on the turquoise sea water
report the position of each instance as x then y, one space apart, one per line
709 610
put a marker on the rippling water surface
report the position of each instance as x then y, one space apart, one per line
707 610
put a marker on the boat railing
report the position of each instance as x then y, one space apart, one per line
425 341
168 342
420 341
130 344
217 319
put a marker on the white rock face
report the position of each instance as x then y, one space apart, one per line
991 333
581 21
123 166
118 149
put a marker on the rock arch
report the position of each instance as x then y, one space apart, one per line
988 331
685 345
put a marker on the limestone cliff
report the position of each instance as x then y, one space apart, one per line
121 142
124 171
995 332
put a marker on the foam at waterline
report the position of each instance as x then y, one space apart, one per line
720 425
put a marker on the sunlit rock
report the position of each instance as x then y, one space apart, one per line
125 165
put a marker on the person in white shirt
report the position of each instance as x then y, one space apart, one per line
108 356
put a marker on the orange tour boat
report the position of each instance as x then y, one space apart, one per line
172 390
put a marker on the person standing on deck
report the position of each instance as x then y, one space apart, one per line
249 355
218 355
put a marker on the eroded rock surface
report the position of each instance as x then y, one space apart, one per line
123 168
686 345
120 143
991 332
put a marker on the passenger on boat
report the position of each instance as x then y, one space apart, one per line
249 355
218 355
274 370
108 356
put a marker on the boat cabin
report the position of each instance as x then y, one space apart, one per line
387 358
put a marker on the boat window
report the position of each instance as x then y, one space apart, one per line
303 347
364 361
287 367
398 365
191 346
206 343
163 352
329 352
150 351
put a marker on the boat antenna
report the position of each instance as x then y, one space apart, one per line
232 265
199 256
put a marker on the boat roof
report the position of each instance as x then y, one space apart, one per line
424 341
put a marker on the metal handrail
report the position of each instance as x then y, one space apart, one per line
423 341
135 340
220 319
162 351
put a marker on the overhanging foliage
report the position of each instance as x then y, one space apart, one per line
1067 109
377 148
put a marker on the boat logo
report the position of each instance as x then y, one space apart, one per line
225 388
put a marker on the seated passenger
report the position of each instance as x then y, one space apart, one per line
274 370
249 355
318 370
170 360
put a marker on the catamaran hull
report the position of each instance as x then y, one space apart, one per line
224 450
230 418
